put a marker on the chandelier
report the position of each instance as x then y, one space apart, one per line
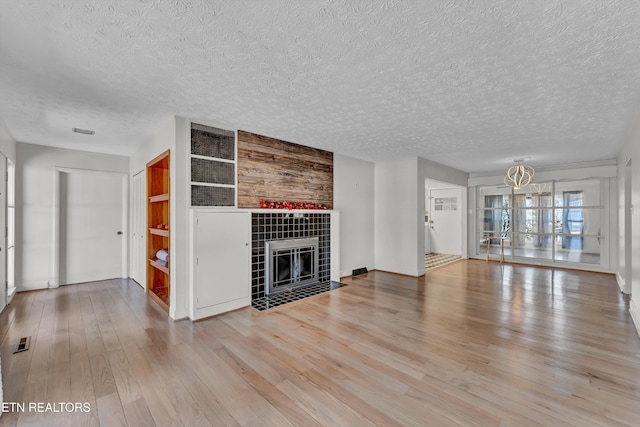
518 176
540 188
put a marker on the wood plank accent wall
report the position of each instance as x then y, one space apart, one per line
276 170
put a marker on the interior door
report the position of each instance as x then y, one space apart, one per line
221 257
138 244
427 224
3 232
91 226
446 221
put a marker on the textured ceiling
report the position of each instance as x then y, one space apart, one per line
470 84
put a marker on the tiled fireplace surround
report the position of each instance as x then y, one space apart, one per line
287 225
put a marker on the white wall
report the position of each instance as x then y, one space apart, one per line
181 200
631 152
7 143
399 211
164 139
625 225
35 172
353 197
397 224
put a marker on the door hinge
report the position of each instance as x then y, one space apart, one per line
197 261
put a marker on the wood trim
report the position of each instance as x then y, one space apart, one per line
158 212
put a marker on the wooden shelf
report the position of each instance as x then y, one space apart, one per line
159 232
159 266
158 212
159 198
161 300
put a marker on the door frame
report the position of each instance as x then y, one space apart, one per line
4 282
459 208
57 217
132 221
627 226
463 207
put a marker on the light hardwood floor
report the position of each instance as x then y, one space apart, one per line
472 343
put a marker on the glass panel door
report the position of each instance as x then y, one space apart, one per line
558 221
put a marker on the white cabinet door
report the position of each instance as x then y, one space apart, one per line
221 256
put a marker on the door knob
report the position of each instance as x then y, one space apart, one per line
119 233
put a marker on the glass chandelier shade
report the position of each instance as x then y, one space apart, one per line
519 176
540 188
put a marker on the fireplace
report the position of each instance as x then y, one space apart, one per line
290 264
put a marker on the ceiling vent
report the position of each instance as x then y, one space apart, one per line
84 131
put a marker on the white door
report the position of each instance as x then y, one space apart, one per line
221 253
427 224
138 243
91 226
3 232
446 221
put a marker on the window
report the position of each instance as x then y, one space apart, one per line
559 223
494 216
578 221
445 204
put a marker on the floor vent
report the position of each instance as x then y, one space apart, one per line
23 344
359 271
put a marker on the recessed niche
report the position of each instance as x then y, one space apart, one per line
213 166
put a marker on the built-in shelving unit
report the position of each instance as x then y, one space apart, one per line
157 232
158 224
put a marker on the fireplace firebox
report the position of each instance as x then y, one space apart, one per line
290 264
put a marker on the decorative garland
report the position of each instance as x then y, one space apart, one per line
266 204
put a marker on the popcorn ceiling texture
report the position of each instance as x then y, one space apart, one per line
470 84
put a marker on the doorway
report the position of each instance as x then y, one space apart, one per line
444 227
90 226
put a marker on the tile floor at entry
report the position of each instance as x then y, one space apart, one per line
434 260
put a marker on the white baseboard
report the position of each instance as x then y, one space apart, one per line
221 308
11 292
635 314
620 281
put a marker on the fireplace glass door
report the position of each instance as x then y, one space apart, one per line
290 264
